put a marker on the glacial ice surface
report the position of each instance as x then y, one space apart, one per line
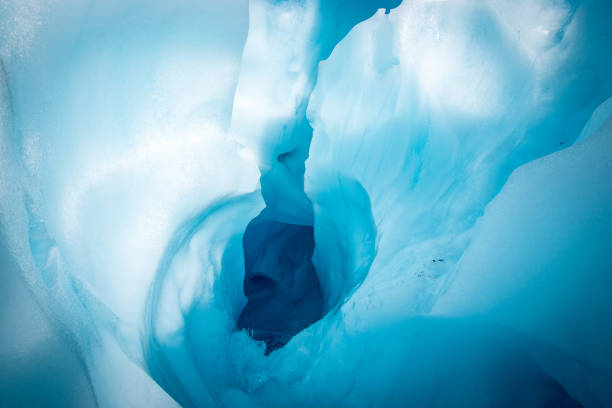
280 282
315 203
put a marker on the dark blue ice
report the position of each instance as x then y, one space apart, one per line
280 282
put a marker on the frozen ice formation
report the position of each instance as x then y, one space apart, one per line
304 203
280 282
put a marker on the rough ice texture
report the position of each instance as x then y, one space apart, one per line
461 239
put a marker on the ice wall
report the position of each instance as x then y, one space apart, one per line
460 238
542 253
116 125
430 107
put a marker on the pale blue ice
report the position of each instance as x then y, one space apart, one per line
299 203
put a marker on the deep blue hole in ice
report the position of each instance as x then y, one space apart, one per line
280 282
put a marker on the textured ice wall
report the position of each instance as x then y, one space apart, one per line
115 132
430 107
133 137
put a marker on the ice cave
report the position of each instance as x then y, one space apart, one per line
306 203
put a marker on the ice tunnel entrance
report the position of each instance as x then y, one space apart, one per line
283 292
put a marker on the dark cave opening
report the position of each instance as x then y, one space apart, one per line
280 282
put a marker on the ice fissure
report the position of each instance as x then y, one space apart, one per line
280 282
307 203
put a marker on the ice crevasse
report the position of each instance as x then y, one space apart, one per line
315 203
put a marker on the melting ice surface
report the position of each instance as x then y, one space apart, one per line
316 203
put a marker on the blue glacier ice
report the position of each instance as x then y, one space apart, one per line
273 203
280 282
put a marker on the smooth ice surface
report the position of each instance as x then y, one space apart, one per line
412 199
545 264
